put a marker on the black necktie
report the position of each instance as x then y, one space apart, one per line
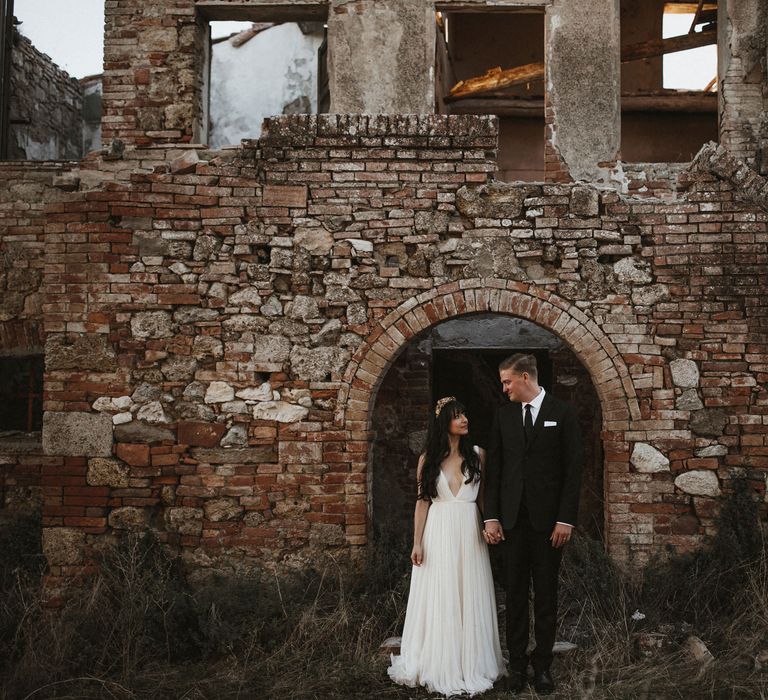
528 424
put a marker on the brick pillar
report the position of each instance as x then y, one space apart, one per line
742 77
153 72
583 100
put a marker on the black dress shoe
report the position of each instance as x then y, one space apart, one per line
543 682
516 682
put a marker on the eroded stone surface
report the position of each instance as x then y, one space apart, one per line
218 392
685 373
63 546
318 364
107 472
77 434
220 509
129 518
710 422
647 459
688 401
151 324
699 482
79 352
184 520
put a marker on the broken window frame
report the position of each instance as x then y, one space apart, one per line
277 11
493 101
670 100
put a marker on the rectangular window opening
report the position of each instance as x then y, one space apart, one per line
262 69
492 62
21 396
50 79
668 78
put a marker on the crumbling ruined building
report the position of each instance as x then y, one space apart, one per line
237 349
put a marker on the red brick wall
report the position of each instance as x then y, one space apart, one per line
306 261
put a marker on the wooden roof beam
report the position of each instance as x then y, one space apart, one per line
497 79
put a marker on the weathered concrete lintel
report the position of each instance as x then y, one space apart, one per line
264 10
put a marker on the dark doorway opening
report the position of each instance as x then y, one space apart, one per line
472 376
460 358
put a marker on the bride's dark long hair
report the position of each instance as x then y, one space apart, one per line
438 448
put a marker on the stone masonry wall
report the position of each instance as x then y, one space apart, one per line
215 336
46 107
24 189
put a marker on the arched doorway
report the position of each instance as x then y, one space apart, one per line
594 350
460 357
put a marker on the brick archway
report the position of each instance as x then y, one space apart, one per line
583 336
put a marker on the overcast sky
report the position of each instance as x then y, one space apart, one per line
71 33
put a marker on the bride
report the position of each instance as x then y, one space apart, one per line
450 641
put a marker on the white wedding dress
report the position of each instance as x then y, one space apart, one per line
450 640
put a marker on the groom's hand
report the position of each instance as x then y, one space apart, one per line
560 535
493 533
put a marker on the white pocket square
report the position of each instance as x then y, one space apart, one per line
550 423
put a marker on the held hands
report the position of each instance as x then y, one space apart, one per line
493 532
417 555
560 535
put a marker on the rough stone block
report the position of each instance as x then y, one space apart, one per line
219 392
221 509
317 364
63 546
585 201
685 373
76 434
79 352
688 401
647 459
107 472
151 324
279 411
317 241
185 162
184 520
326 535
699 482
710 422
129 518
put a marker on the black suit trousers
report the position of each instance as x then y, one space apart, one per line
529 557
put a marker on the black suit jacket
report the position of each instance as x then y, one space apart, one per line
546 472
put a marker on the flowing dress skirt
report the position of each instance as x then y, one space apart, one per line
450 641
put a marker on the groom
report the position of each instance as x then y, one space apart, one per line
533 474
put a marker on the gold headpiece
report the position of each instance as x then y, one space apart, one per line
441 403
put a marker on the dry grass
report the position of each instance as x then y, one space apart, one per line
141 631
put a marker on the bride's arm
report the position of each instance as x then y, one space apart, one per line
419 518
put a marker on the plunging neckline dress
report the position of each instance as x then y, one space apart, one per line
450 641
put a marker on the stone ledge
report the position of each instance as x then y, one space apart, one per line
292 128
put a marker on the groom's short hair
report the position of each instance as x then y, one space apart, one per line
521 362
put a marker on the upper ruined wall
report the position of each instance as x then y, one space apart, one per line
381 60
46 107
